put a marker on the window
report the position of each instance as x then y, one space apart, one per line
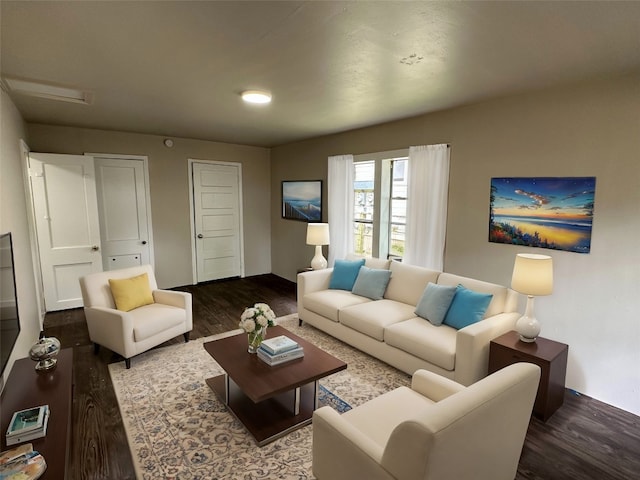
398 220
363 208
380 204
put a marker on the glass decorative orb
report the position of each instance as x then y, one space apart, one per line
44 352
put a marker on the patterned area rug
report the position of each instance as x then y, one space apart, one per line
178 429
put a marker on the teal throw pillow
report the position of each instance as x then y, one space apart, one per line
371 282
468 307
345 273
435 302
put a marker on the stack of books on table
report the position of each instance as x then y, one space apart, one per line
27 425
280 349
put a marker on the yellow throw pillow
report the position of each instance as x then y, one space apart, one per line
130 293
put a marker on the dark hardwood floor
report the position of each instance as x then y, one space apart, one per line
585 439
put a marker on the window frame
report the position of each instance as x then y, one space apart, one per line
382 198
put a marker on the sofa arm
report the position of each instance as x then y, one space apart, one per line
472 346
176 299
173 298
433 386
312 281
341 451
111 328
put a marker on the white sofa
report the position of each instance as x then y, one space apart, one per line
390 330
435 430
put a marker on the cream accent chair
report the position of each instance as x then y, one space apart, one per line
136 331
435 430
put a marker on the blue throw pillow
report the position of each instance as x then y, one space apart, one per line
371 282
435 302
345 273
468 307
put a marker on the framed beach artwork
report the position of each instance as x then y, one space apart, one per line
302 200
548 212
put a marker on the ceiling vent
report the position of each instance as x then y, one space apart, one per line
46 90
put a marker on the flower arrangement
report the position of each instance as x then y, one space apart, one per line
256 317
254 321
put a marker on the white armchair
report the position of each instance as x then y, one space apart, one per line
435 430
138 330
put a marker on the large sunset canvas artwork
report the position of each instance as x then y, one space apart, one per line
548 212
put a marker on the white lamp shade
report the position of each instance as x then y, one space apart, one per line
533 274
318 234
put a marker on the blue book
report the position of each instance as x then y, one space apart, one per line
278 344
280 357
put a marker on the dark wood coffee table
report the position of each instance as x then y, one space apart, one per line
269 401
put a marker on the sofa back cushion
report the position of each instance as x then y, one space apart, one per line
408 282
95 286
497 304
371 262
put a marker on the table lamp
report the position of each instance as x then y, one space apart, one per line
532 276
318 235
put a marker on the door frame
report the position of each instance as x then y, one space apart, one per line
147 193
190 163
33 235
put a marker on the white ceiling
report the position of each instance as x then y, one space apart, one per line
177 68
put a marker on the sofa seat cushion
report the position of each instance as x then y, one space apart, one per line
435 344
384 409
155 318
373 317
328 302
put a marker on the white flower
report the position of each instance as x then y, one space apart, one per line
248 326
260 315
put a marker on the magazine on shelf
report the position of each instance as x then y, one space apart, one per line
21 463
28 424
272 360
278 344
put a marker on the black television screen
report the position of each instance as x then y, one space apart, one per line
9 320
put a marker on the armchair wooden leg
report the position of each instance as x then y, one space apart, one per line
186 336
300 322
96 348
127 363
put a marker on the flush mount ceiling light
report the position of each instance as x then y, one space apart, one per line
256 96
46 90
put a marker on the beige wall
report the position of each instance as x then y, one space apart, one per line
587 129
13 218
169 186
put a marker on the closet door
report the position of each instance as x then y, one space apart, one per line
66 216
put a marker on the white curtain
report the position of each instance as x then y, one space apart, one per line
340 211
428 191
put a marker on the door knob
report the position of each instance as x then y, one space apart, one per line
144 242
95 248
200 235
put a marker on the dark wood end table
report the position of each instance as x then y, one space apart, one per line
549 355
269 401
27 388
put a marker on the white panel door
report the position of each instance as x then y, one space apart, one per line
66 215
216 197
122 203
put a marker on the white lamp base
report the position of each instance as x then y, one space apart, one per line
318 262
527 325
